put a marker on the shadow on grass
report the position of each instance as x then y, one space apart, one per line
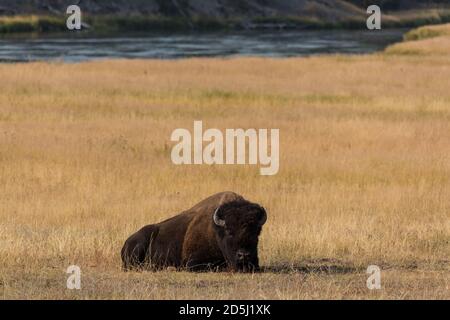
320 266
326 266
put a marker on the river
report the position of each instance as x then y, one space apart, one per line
271 43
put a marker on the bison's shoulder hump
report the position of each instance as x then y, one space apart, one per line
216 200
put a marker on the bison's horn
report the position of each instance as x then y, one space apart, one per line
264 217
217 220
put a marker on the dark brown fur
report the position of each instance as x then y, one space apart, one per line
192 240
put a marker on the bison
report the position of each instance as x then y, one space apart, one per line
220 232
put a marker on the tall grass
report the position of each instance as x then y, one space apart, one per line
364 173
434 41
428 32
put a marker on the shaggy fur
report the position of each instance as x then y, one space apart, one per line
192 240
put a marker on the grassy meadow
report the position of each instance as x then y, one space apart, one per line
364 172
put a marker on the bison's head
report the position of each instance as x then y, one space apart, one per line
238 225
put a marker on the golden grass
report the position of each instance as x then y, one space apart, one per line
428 32
429 40
364 173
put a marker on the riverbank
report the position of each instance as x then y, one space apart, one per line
107 24
425 41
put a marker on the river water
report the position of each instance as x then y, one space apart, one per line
273 43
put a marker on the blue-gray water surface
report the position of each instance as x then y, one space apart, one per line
267 43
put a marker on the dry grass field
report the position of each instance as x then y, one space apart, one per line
364 172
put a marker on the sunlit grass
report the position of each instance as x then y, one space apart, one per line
364 172
427 32
434 40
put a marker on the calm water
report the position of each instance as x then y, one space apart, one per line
170 46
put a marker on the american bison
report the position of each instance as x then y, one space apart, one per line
220 232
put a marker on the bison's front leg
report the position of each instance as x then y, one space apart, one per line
198 266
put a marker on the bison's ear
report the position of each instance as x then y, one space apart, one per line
217 219
263 216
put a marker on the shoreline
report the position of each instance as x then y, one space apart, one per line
109 24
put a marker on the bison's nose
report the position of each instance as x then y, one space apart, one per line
242 255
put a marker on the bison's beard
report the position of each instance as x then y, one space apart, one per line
246 266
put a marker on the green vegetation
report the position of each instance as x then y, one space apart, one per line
17 24
110 23
145 23
427 32
137 23
412 21
114 23
425 41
